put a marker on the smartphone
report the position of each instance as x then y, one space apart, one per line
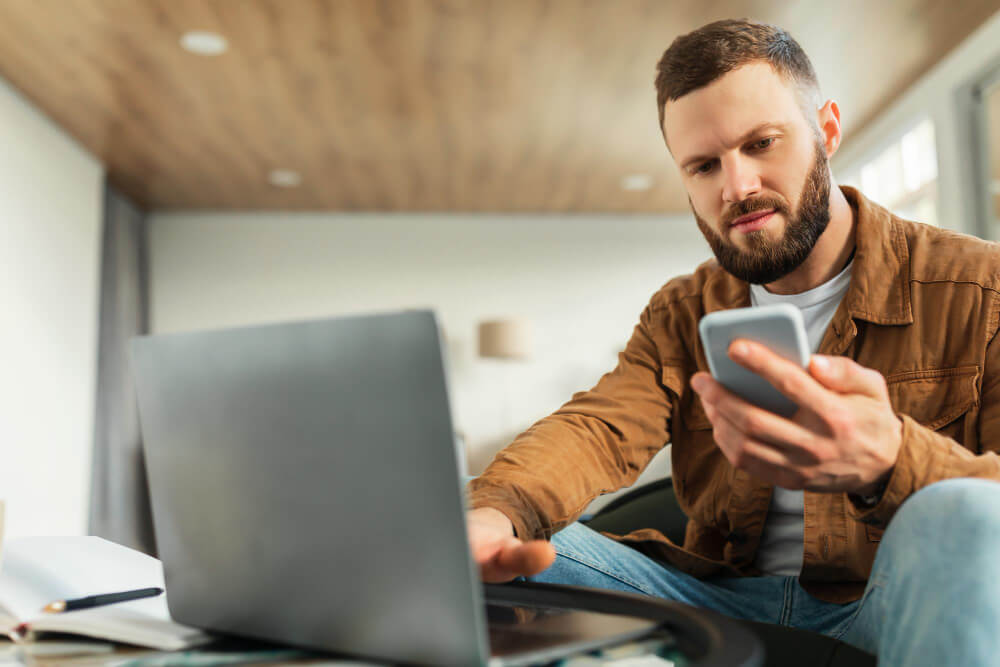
778 327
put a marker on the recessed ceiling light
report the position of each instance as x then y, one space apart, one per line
637 182
284 178
204 43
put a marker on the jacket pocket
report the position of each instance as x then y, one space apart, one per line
936 397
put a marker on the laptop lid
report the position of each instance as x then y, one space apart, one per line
305 486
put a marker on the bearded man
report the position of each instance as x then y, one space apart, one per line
859 516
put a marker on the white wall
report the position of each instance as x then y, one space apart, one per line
50 221
581 280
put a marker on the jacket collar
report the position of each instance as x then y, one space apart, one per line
880 280
879 291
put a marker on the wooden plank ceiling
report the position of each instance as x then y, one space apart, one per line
418 105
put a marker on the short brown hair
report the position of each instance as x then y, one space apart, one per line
700 57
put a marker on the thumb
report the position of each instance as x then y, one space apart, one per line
846 376
526 558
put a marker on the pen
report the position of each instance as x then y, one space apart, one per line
99 600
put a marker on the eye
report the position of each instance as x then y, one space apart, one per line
704 167
763 143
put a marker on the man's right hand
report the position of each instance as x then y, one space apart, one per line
499 555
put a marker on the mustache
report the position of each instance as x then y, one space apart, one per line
747 206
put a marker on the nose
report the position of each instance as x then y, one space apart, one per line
740 179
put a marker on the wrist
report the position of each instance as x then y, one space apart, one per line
874 488
869 495
496 518
877 486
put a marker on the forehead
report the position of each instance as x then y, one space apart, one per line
713 118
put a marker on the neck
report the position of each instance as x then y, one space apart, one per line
829 255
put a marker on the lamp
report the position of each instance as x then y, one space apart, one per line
505 339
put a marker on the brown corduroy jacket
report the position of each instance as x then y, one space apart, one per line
922 308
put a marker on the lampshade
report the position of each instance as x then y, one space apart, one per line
505 339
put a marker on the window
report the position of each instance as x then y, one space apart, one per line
903 177
990 145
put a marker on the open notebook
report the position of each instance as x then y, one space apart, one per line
35 571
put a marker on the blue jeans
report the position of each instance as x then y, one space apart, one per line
933 597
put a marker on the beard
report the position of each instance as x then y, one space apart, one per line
765 261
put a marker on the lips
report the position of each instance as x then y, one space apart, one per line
752 221
751 217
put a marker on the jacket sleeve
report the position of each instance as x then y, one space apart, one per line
926 456
596 443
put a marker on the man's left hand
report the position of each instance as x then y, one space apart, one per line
845 435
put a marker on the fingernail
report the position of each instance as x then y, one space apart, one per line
821 363
698 383
740 349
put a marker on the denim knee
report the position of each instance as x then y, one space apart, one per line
951 511
936 599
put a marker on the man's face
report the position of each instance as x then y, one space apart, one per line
755 171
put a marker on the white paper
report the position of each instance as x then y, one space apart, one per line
40 570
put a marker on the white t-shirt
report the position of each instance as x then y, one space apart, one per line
781 546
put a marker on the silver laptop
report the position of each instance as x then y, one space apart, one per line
305 490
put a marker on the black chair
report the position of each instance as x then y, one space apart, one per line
654 505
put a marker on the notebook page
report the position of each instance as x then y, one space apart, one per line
40 570
142 622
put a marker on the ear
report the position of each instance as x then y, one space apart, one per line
828 118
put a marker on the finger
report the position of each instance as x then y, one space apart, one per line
741 448
528 558
516 559
484 552
785 477
490 573
764 462
488 559
785 376
756 422
846 376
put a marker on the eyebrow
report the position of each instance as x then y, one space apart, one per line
759 129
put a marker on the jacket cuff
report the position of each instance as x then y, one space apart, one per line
526 524
918 455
